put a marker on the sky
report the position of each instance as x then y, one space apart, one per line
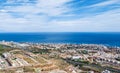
59 15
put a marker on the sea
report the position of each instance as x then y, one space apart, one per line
104 38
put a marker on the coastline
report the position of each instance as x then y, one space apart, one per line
87 44
94 57
102 38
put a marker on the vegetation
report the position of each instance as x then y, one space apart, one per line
85 65
81 61
4 49
84 52
41 51
29 69
118 59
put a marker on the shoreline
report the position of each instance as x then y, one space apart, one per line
46 43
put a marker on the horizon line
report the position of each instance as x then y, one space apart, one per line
63 32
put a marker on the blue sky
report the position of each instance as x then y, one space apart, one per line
59 15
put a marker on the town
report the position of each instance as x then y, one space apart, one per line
58 58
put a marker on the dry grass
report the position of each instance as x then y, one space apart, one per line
40 60
29 69
60 63
7 71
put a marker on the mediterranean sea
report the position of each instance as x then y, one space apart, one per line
105 38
